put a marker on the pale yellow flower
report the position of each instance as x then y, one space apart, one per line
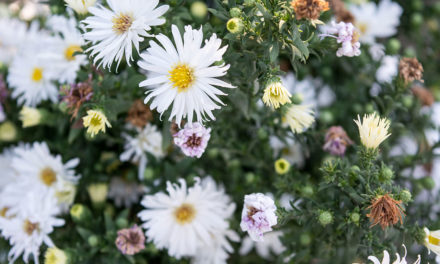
299 117
276 95
30 116
80 6
432 240
373 130
98 192
8 132
55 256
95 121
282 166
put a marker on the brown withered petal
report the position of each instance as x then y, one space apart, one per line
309 9
385 211
424 95
410 69
77 94
174 128
139 114
130 240
341 13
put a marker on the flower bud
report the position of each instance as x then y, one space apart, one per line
305 239
98 192
55 256
8 132
80 6
93 240
325 218
235 25
30 116
199 9
394 46
80 213
354 217
405 196
235 12
282 166
428 183
386 174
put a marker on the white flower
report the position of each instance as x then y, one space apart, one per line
432 240
38 170
299 117
388 69
373 130
125 193
346 34
29 229
62 53
148 140
270 244
290 150
114 31
12 34
186 220
182 75
258 215
386 258
376 21
8 173
30 78
80 6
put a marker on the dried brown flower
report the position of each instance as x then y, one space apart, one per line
139 114
424 95
410 69
341 13
385 211
309 9
130 240
77 94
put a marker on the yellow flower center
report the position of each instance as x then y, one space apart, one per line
185 213
182 77
433 240
37 74
68 53
48 176
3 212
122 22
95 121
30 227
362 28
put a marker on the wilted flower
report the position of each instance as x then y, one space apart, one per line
80 6
139 114
309 9
424 95
276 95
341 13
386 258
30 116
55 256
336 141
193 139
95 121
299 117
373 130
346 34
235 25
385 211
130 240
410 69
282 166
77 94
258 215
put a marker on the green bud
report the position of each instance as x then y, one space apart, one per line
149 174
369 108
437 7
121 223
355 169
354 217
305 239
428 183
394 46
199 9
234 164
262 134
357 108
249 2
235 25
325 218
417 5
386 174
235 12
326 72
250 177
93 240
307 191
297 98
410 52
408 101
417 19
213 153
80 213
326 117
405 196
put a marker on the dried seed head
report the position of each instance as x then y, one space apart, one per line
385 211
139 114
309 9
410 69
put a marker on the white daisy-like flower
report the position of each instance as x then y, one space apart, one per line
114 32
12 34
8 173
290 150
386 258
30 78
271 244
388 69
125 193
30 228
182 75
185 220
299 117
148 139
63 55
80 6
39 170
376 21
